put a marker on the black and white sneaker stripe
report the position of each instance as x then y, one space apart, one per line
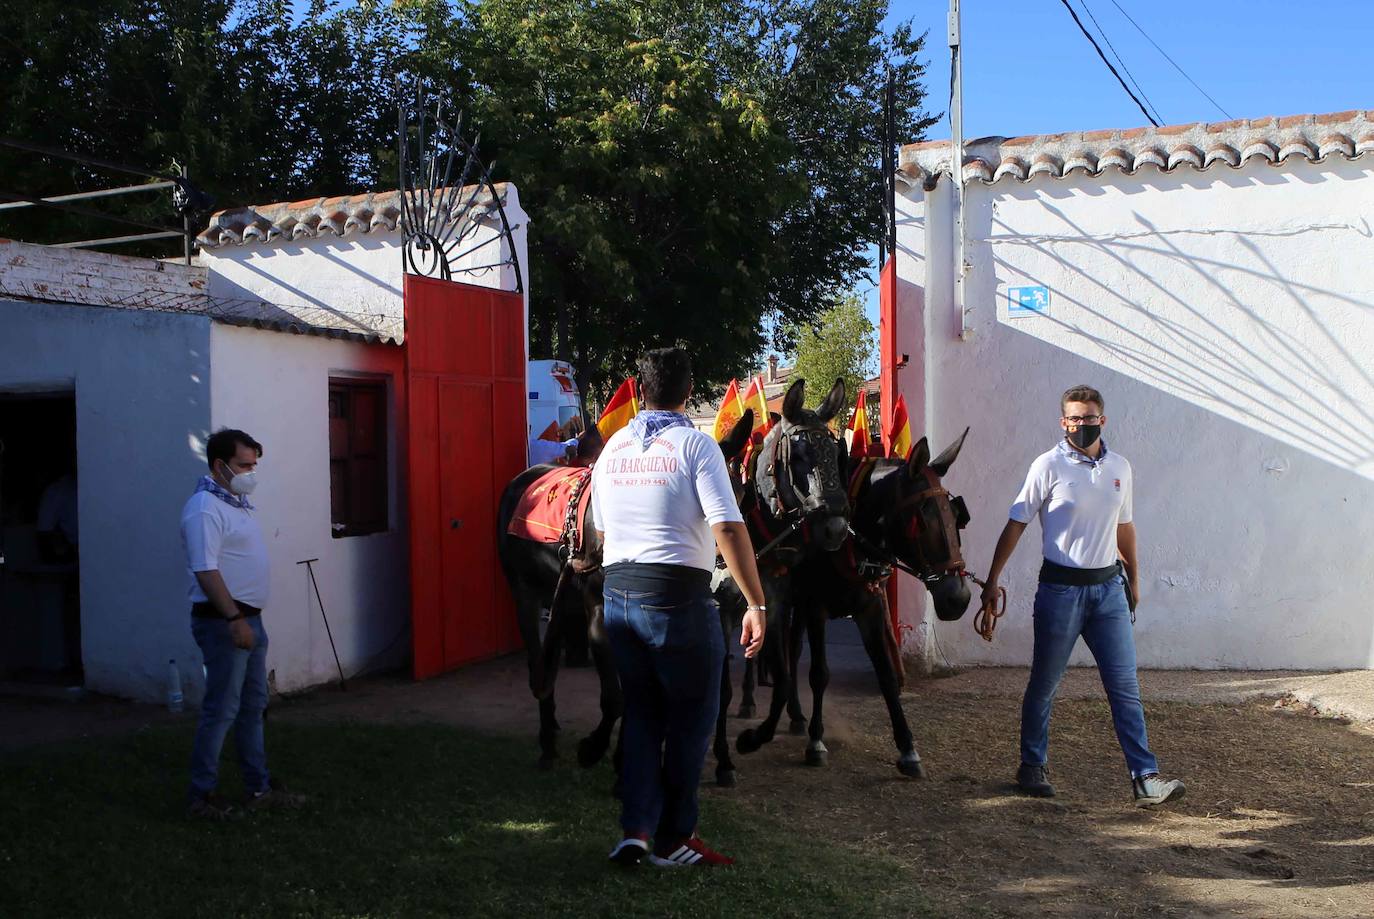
681 857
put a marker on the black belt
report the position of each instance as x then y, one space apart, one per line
208 610
1050 573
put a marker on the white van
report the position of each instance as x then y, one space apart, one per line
553 395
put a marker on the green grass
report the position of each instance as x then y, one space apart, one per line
407 821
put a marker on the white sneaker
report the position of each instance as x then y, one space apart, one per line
1152 791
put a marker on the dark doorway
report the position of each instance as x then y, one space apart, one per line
40 594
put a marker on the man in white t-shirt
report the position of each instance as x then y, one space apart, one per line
228 571
1082 493
663 502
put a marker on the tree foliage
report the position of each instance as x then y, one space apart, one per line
838 345
691 167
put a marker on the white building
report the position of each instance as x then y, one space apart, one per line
1216 283
291 328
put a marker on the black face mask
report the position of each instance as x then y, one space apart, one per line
1085 436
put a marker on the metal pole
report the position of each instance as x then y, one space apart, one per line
86 195
309 566
956 144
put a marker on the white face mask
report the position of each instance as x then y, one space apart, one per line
243 483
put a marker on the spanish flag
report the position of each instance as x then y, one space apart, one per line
900 436
754 398
858 445
730 411
623 406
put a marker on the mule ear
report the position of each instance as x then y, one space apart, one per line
794 402
834 402
945 460
734 442
919 458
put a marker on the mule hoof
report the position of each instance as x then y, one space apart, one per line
797 728
817 757
911 767
589 752
725 778
748 741
746 710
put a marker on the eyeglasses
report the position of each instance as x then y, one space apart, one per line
1083 419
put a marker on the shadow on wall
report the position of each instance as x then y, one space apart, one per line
1224 327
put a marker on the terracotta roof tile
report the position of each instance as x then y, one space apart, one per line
342 215
1233 143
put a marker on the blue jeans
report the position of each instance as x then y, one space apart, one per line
1099 613
669 651
235 696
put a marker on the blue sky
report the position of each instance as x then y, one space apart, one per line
1028 69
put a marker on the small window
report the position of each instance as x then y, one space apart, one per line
357 457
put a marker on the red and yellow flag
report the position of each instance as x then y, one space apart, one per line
623 406
754 398
730 411
900 436
858 445
550 433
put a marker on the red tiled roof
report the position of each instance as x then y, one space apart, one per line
1202 145
339 216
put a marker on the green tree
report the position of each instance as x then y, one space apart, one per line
838 345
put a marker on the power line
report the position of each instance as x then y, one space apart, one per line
1112 48
1093 41
1170 60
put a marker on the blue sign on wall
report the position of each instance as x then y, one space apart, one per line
1028 301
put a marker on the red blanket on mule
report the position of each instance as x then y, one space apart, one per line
543 508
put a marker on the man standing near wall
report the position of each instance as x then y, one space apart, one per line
227 559
1082 493
663 501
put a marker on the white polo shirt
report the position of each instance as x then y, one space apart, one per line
657 505
218 536
1079 502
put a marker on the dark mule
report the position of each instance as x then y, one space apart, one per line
797 512
902 516
532 569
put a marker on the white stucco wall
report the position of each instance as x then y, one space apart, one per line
1228 318
139 423
355 280
275 386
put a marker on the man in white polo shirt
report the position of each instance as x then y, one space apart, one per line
1081 491
662 500
229 573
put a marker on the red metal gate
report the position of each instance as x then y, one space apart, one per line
465 368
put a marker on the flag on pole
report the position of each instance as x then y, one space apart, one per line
549 433
730 411
623 406
900 436
754 398
858 445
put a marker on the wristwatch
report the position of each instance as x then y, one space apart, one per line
761 609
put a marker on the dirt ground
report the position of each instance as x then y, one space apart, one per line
1278 820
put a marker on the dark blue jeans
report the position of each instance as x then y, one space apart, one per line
235 697
1100 614
669 651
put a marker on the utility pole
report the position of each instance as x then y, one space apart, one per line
956 152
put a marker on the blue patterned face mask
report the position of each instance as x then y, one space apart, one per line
649 423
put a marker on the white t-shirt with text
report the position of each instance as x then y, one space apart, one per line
656 505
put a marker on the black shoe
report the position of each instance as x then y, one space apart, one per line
1034 781
631 850
212 807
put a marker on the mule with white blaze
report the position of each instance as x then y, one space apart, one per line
797 511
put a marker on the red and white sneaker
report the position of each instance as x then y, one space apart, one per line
631 850
691 852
